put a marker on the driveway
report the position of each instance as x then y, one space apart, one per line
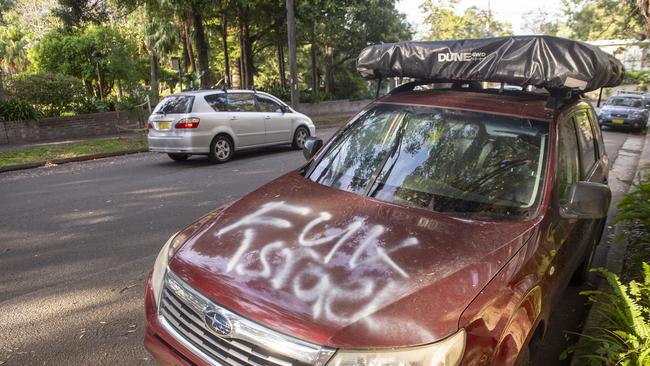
77 240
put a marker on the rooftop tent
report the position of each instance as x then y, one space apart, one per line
542 61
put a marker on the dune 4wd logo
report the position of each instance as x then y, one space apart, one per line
461 56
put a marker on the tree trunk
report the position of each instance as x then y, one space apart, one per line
281 65
246 70
293 66
224 38
2 88
201 49
329 68
314 65
153 68
188 51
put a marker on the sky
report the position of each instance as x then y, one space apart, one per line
511 11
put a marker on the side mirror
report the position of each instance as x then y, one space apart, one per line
311 146
587 201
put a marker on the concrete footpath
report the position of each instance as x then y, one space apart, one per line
630 166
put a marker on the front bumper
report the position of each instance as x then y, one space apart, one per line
622 122
160 344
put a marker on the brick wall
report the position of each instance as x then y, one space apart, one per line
61 128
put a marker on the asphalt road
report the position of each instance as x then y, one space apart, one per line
77 240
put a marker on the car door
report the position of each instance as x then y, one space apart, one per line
578 160
245 121
276 122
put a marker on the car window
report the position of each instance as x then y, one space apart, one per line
218 102
600 142
568 163
442 160
241 102
267 105
175 104
586 142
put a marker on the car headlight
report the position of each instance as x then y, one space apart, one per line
160 266
447 352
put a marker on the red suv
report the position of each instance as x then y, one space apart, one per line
436 228
437 225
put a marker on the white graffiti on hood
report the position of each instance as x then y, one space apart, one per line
312 283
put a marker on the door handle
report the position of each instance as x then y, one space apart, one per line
233 117
267 117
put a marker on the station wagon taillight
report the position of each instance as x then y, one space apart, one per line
188 123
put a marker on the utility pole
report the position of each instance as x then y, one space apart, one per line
293 67
2 91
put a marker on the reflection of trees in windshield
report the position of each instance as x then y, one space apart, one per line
442 160
351 162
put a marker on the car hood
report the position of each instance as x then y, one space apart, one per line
343 270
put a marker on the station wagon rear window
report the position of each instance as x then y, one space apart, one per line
442 160
175 104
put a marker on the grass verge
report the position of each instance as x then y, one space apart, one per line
35 154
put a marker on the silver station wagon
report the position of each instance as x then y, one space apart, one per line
219 122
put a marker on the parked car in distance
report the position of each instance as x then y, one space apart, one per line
438 227
217 123
627 110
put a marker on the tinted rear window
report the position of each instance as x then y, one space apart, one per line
175 104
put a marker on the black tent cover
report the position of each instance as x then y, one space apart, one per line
542 61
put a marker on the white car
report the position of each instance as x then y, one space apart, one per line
219 122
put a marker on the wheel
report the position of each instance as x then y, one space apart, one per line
299 137
581 274
178 157
221 149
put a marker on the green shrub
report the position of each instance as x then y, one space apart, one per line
636 77
15 110
623 337
86 105
50 93
634 210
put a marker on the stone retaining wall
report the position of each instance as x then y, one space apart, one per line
61 128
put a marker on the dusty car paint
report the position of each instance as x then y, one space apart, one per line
348 271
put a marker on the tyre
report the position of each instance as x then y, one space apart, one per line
299 137
178 157
221 149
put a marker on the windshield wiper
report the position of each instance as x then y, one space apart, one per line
503 166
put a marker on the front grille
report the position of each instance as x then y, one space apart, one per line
619 115
182 309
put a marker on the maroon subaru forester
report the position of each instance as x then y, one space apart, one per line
437 227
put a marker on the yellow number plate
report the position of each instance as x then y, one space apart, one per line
164 125
617 121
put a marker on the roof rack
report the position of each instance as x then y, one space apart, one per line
555 98
519 60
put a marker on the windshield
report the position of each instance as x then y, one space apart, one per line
626 102
453 161
175 104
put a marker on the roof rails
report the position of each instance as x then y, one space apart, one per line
556 98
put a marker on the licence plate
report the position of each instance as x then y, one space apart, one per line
617 121
164 125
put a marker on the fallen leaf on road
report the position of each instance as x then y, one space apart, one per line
127 287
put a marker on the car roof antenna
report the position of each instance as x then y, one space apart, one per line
378 87
600 96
